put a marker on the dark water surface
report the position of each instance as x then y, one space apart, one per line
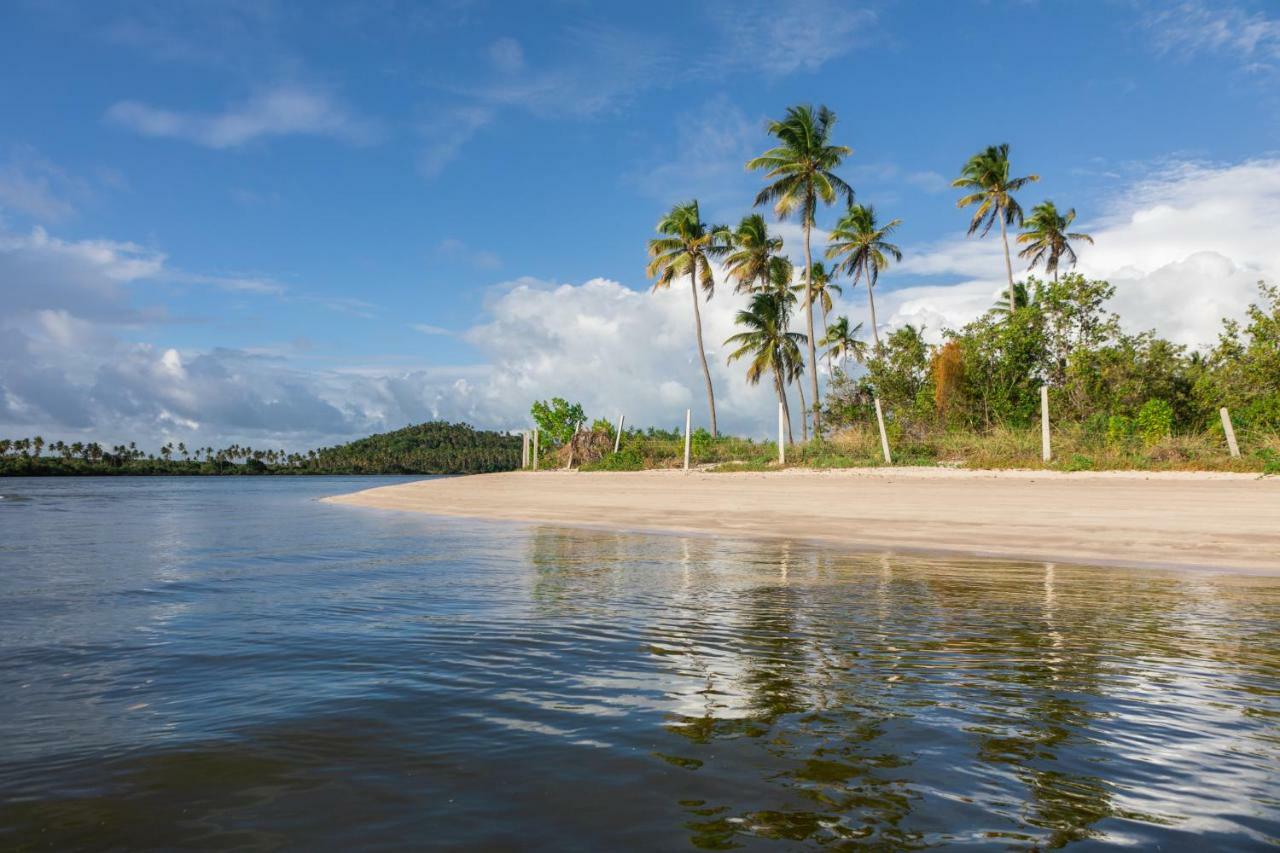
227 663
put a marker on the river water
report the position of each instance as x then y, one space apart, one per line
227 662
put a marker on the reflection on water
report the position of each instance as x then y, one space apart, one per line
251 668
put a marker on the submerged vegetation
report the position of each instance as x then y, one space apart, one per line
430 448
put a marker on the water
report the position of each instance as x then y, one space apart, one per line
229 663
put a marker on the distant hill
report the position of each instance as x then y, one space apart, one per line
431 448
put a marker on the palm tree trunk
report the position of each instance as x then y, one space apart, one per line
825 332
781 388
808 318
871 303
804 424
1008 263
702 353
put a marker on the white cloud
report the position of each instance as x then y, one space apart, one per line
483 259
282 110
803 36
506 55
1221 27
706 161
428 329
446 136
1184 248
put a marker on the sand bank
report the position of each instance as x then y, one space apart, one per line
1216 521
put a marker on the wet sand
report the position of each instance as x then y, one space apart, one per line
1194 520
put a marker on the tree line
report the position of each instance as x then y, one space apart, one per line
430 448
987 374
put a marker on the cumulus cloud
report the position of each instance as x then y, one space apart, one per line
281 110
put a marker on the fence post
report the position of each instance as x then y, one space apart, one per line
1230 431
524 450
1046 453
884 437
782 445
617 439
686 440
536 438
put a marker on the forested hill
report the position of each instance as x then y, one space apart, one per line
430 448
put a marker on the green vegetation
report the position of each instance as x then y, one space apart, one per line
430 448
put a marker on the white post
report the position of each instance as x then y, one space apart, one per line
686 440
884 437
524 449
617 439
782 444
1230 431
1045 452
536 438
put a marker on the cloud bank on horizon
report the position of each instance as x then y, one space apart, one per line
1185 249
288 224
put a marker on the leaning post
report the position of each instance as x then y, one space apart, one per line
884 437
617 438
1230 431
686 440
1046 453
782 445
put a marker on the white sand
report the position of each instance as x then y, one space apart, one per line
1203 520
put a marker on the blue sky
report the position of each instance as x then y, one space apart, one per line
297 198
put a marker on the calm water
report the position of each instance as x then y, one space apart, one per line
229 663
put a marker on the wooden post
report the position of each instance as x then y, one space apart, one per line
536 438
617 439
686 440
1046 452
884 437
782 444
1230 431
524 449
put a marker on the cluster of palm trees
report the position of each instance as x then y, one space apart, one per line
800 176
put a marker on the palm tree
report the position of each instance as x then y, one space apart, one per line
748 260
986 176
686 246
865 249
823 287
1021 299
768 341
842 342
801 168
1047 237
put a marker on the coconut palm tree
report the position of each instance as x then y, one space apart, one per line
1047 238
686 246
769 343
842 341
863 247
986 177
823 286
1022 297
801 167
747 262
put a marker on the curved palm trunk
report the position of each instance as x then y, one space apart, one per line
804 424
1008 262
808 319
781 388
702 353
871 303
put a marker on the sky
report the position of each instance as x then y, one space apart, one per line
289 224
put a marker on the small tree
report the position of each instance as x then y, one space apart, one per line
557 420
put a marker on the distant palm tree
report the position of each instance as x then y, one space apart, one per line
687 245
801 166
863 244
823 287
986 176
768 341
842 342
752 250
1047 237
1021 299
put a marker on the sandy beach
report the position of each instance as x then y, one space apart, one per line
1208 521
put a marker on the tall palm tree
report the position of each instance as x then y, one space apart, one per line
863 245
823 286
752 250
986 177
842 341
687 245
801 166
767 340
1048 239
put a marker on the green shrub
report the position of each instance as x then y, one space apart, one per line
1154 422
1119 429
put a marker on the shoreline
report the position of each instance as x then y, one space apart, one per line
1217 521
